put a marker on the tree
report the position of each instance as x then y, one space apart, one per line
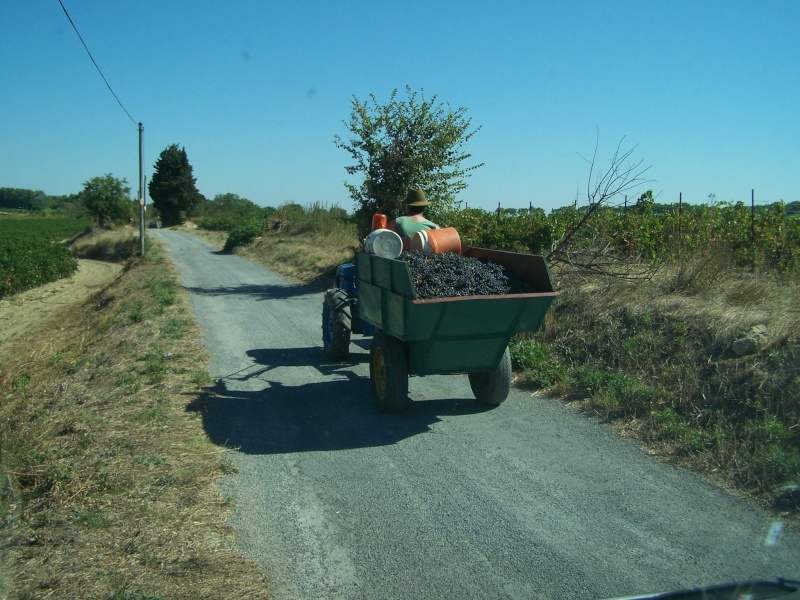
229 205
172 186
406 143
21 198
107 199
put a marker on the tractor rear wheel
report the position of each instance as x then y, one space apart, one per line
492 387
388 370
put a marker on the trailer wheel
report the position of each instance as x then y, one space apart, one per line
336 324
492 387
388 370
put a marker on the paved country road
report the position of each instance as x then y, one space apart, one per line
527 500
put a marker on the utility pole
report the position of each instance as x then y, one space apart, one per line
753 228
141 190
680 224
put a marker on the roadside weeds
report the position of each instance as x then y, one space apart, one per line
109 482
705 372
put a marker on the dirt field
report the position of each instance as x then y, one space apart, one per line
26 310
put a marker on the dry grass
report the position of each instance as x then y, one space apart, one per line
110 480
660 359
113 245
308 259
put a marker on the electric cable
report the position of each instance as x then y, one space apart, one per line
95 63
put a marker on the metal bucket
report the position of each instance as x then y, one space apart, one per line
384 243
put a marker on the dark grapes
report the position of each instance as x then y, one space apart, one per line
448 275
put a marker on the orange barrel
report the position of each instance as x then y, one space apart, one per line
436 241
378 221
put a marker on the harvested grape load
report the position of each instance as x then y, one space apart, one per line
447 275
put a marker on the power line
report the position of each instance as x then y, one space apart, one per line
95 63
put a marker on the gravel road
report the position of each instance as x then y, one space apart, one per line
528 500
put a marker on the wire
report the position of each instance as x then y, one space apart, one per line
95 63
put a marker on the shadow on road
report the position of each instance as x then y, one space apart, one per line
259 292
336 414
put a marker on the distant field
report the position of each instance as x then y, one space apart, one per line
49 228
33 252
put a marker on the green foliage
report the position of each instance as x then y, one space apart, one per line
226 211
314 218
529 231
292 219
401 144
172 187
218 223
32 254
229 206
20 382
37 201
43 228
92 518
768 237
244 234
540 366
23 199
670 425
107 199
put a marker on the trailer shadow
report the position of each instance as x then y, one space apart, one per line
336 413
258 291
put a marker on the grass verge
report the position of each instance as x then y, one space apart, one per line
702 362
108 481
304 244
112 245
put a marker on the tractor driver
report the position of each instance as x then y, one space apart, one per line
414 220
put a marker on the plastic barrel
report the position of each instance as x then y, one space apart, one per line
436 241
384 242
378 221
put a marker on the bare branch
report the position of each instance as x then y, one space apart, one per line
622 175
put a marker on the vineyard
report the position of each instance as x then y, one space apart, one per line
33 252
767 237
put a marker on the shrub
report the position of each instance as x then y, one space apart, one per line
541 367
244 234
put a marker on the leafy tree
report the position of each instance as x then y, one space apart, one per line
172 186
229 205
406 143
107 199
21 198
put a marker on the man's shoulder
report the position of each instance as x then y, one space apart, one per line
404 226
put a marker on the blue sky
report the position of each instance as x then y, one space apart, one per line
256 90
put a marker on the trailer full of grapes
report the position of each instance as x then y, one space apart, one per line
414 336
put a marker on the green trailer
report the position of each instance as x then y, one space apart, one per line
412 336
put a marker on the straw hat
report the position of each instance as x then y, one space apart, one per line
416 197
